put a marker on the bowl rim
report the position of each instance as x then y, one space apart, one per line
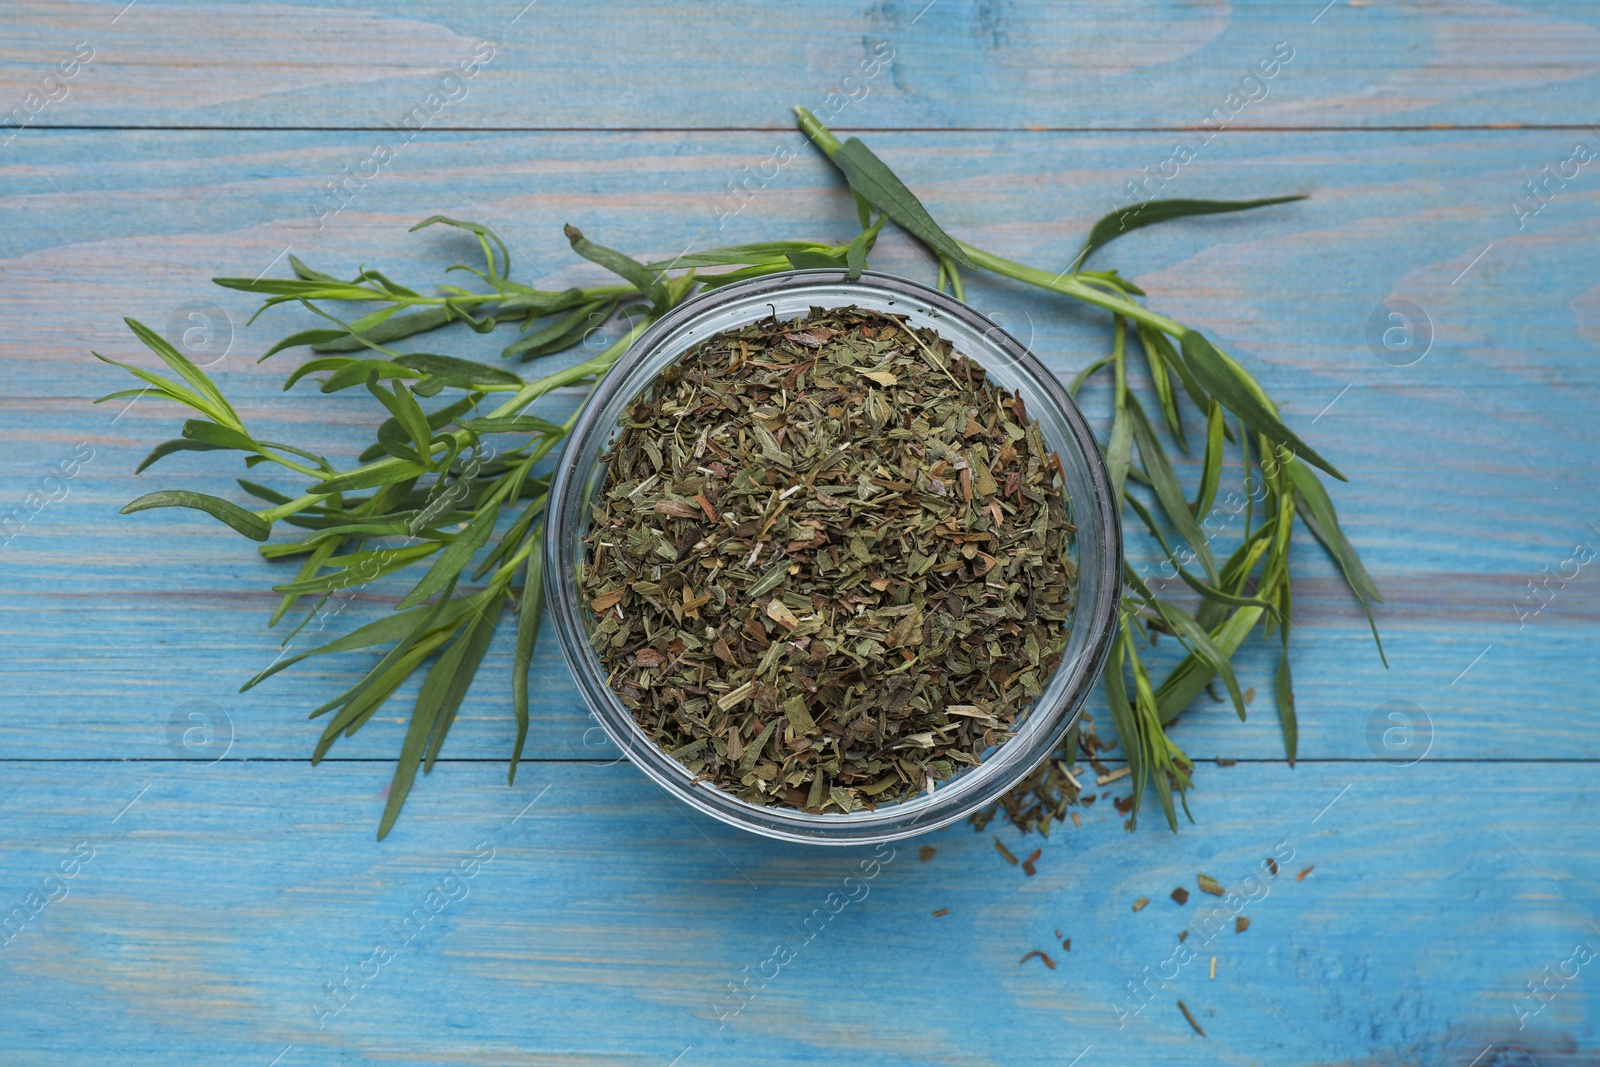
887 822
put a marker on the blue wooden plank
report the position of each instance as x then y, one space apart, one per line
1096 63
213 907
605 925
1447 500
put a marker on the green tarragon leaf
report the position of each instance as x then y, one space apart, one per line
394 329
449 564
510 424
360 568
762 252
194 376
167 448
465 370
872 178
379 632
209 433
629 269
1126 219
564 332
436 706
248 523
484 235
380 473
814 261
528 618
1218 375
1168 490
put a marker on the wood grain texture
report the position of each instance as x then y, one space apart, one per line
1461 438
1010 64
605 925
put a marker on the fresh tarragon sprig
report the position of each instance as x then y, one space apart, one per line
463 488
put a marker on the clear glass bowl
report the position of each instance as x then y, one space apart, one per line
1096 548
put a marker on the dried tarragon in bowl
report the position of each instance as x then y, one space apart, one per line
830 565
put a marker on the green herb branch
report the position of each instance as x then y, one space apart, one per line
461 489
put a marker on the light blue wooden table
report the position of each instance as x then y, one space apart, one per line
226 898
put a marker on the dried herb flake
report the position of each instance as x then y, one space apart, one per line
830 565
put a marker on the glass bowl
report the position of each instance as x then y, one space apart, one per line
1096 547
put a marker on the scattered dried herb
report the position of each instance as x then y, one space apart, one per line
1066 944
1028 864
1048 962
1006 852
1240 924
1181 895
1184 1008
1210 885
1139 905
1272 865
1220 762
926 853
1183 936
1302 875
1213 968
941 913
843 558
1045 796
